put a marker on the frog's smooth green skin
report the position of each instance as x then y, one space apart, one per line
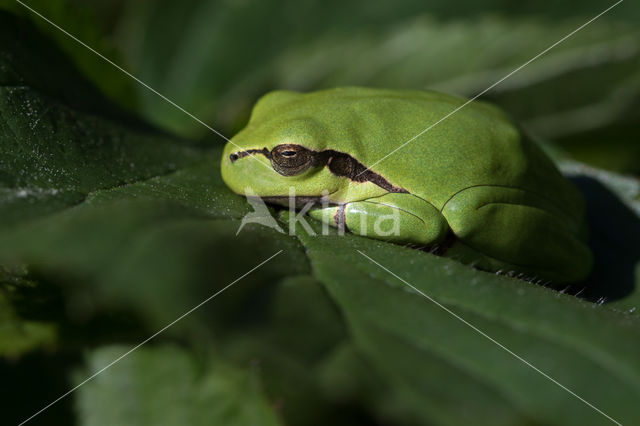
473 184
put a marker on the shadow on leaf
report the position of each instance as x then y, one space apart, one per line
615 231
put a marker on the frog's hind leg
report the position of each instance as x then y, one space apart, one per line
394 217
513 229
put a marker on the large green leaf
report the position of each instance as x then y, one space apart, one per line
59 140
456 375
78 19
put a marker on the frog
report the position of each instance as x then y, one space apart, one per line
475 187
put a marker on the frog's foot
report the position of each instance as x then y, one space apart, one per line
501 228
394 217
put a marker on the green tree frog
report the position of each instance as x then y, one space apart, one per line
473 184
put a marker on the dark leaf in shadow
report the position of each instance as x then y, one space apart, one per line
615 232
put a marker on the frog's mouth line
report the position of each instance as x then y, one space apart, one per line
339 163
299 201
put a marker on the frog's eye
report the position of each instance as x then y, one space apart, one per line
290 159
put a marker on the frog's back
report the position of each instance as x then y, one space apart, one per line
466 145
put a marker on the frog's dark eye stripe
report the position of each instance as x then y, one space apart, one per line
241 154
292 159
342 164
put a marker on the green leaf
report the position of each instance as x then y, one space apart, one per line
455 374
154 257
167 385
59 138
19 335
79 20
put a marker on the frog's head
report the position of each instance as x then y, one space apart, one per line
284 146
